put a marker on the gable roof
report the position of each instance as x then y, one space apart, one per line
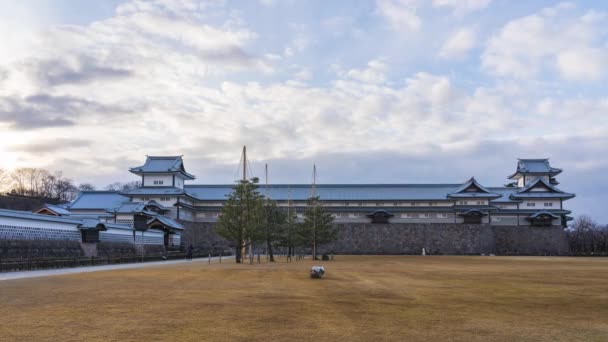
472 188
542 213
129 207
56 209
553 192
527 166
97 200
166 221
162 164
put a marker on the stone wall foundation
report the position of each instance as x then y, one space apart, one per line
410 238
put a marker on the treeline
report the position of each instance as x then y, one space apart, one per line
248 220
42 183
587 237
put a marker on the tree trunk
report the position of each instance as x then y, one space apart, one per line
270 254
239 250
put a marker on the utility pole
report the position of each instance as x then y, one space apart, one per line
267 204
314 213
245 179
244 163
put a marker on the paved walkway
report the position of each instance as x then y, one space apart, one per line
73 270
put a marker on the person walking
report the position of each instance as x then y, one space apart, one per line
189 252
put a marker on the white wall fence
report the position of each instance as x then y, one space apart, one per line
14 228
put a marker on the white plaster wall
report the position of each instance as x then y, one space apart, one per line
167 179
539 204
11 221
507 206
167 203
27 229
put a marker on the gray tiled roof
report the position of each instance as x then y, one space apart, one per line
333 192
505 193
40 217
535 166
91 224
552 192
169 222
81 222
130 207
543 212
481 193
102 200
56 209
162 164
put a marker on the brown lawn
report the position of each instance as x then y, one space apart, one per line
366 298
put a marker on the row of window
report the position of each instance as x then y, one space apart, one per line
533 204
163 199
406 215
471 202
158 182
424 215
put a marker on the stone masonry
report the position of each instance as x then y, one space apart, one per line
410 238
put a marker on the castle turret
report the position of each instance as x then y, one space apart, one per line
162 171
529 170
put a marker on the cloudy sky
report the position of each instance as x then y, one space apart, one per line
387 91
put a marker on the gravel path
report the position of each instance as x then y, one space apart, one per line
74 270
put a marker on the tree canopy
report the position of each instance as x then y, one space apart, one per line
317 228
242 216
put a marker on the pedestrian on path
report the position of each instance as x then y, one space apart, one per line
189 253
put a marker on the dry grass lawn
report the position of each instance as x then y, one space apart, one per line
367 298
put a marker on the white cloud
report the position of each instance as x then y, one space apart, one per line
181 77
375 72
458 44
556 39
462 6
401 14
582 64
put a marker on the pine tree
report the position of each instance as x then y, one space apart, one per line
317 228
242 216
289 235
274 225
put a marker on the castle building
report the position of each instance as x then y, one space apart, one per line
159 210
532 199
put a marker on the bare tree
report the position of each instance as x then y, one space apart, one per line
3 180
121 187
587 237
42 183
86 187
64 189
